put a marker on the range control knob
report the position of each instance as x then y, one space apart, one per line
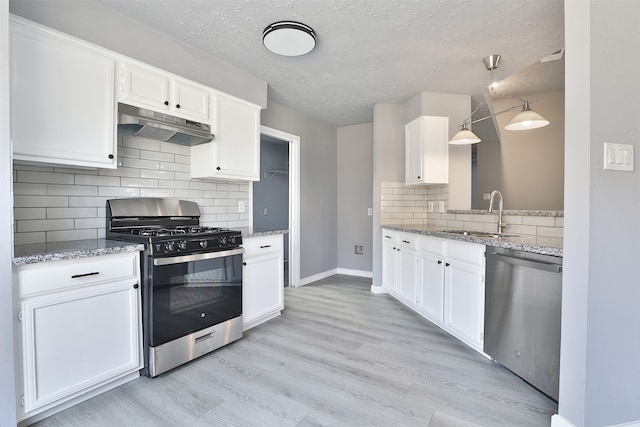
203 243
222 241
169 247
182 245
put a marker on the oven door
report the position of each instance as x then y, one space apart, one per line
192 292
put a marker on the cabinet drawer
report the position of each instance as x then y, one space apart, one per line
257 246
470 253
389 236
433 245
65 274
408 241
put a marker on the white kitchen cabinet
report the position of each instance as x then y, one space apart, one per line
262 279
431 266
80 329
464 292
62 98
148 87
441 279
427 151
235 151
389 261
407 271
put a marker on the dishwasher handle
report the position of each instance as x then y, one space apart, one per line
538 265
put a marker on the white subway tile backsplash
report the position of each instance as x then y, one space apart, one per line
155 155
40 201
183 159
29 238
546 221
97 180
81 223
129 152
22 188
139 182
44 177
30 213
71 190
28 226
157 192
156 174
52 213
140 164
67 235
141 143
177 167
115 192
176 149
88 201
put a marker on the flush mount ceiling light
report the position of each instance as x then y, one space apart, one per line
289 38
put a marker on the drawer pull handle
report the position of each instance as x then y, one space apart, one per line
77 276
406 241
265 246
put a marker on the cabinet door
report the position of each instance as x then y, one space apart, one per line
408 275
143 87
62 99
190 100
431 288
77 339
263 281
464 302
235 151
389 269
427 151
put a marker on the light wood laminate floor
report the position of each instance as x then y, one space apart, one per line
338 356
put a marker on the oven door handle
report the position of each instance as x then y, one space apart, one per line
196 257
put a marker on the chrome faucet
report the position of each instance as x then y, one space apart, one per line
500 206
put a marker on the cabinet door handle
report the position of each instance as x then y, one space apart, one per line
406 241
218 168
439 262
177 105
447 264
418 177
387 237
166 102
244 263
265 246
136 286
77 276
110 156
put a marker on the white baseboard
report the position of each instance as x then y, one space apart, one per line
560 421
629 424
358 273
378 290
317 277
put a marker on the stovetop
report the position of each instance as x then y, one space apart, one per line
180 239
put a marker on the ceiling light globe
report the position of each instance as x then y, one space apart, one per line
288 38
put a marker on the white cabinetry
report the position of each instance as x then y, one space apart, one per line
262 279
235 151
441 279
399 265
62 98
464 292
427 151
80 328
152 88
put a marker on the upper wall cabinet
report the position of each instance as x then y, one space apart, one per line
427 151
149 87
235 151
62 98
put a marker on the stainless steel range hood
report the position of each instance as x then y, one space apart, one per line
162 127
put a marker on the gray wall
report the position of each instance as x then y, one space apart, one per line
97 23
600 360
7 379
355 188
388 166
526 166
318 175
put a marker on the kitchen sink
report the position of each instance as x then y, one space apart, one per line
472 233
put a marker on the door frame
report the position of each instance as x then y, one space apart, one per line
294 199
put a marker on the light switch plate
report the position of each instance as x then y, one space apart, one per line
441 206
618 157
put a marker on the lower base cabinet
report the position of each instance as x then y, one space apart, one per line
262 279
80 329
446 282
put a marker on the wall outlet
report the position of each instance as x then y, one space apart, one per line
358 250
240 206
486 196
430 207
370 211
265 211
441 206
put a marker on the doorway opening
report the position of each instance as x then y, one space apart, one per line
275 198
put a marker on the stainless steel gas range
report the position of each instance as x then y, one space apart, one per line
191 279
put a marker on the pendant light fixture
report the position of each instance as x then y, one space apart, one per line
464 137
289 38
526 119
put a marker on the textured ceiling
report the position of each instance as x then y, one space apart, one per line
368 51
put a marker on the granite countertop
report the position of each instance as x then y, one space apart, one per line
257 232
507 212
534 244
42 252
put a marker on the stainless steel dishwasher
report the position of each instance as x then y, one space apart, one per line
523 298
